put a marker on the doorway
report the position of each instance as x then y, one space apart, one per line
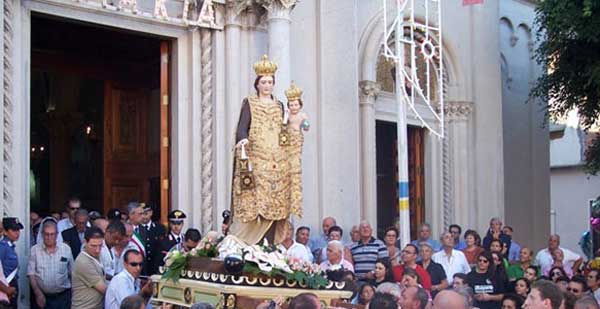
99 117
387 177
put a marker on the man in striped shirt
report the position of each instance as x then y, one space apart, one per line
366 252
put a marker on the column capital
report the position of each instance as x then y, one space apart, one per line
369 89
278 9
458 110
233 10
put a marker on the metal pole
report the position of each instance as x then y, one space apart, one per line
403 206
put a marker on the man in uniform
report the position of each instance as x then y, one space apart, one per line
8 256
152 232
174 237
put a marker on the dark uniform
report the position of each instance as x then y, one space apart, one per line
152 233
169 240
8 255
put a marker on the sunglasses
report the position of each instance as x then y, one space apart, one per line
573 290
484 261
134 264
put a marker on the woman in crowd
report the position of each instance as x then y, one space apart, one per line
383 273
512 301
473 248
522 287
488 288
496 246
390 239
411 278
365 294
556 272
500 267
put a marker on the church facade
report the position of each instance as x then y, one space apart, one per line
492 163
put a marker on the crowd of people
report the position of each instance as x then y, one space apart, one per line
89 260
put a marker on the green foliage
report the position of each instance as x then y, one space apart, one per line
173 272
569 35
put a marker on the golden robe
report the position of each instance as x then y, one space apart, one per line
264 211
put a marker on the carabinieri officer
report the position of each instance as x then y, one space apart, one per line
8 256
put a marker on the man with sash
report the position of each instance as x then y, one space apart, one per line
136 214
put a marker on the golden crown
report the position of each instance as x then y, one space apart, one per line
293 93
265 67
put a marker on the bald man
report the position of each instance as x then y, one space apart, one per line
544 258
449 299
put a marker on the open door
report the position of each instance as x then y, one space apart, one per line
164 131
128 165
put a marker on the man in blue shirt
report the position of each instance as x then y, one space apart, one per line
456 231
8 256
425 236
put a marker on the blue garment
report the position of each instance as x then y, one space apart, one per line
460 245
514 251
434 244
317 243
8 256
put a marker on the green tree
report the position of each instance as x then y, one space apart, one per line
569 34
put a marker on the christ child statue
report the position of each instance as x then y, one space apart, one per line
297 119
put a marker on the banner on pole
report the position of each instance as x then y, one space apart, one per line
471 2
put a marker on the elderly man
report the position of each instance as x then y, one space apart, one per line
436 271
453 261
495 232
320 241
425 235
366 252
135 211
89 282
409 260
292 249
74 236
127 282
50 265
544 295
517 270
335 257
544 257
414 298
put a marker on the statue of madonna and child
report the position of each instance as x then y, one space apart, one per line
267 169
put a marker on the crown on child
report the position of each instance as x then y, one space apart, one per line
293 93
265 67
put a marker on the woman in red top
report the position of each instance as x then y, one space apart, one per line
473 248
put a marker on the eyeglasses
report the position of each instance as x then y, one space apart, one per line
483 261
134 264
573 290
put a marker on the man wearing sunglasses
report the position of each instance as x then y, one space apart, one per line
127 282
175 236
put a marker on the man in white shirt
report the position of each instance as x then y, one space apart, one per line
126 282
124 245
544 258
453 261
290 248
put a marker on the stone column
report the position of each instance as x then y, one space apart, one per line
278 21
457 160
368 166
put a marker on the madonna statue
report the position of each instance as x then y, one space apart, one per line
266 187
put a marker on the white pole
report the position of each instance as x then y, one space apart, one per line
403 206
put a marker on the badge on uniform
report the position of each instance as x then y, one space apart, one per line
246 176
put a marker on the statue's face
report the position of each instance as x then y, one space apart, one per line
265 85
295 107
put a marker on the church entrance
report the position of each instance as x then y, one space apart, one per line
99 117
387 177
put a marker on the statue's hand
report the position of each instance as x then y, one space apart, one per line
242 142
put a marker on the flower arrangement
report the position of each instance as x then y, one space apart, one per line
267 260
176 260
